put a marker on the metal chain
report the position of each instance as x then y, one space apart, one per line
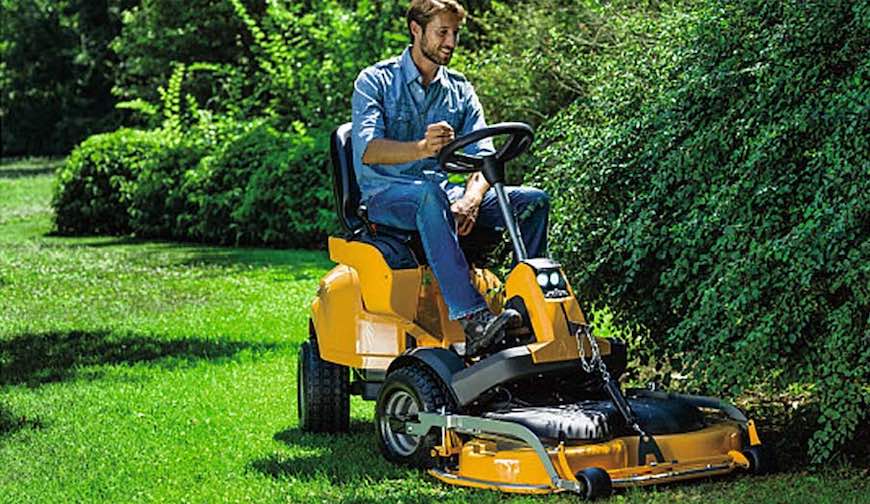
595 362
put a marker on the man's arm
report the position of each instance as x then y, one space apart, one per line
386 151
369 142
368 112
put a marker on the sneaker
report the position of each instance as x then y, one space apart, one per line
483 329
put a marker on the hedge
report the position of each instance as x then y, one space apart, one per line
259 186
723 208
93 190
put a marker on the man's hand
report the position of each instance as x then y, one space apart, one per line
465 211
437 136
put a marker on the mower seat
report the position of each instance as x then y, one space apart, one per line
401 248
600 421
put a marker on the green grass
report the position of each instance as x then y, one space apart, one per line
142 371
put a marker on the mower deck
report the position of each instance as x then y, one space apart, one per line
509 457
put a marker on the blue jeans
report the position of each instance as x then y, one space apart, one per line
425 206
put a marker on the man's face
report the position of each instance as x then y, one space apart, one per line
438 40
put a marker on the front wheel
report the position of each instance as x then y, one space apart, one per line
405 393
595 483
761 460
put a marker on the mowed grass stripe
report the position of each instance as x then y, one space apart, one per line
143 371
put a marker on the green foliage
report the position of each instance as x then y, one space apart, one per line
215 174
94 185
718 199
55 73
542 46
231 184
309 57
158 35
156 198
533 58
261 187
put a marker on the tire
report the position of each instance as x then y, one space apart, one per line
595 483
406 392
761 460
322 392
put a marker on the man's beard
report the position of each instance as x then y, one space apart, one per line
436 56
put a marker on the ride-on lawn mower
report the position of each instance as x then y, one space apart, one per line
541 411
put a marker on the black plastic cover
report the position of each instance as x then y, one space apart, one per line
600 420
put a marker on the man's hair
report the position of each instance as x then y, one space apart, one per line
422 11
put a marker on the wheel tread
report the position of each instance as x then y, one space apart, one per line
326 387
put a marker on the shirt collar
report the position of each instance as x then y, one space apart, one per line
412 74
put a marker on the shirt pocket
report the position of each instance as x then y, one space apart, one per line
401 120
451 115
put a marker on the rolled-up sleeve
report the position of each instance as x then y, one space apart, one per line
368 112
474 120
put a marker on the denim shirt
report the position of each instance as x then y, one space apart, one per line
389 101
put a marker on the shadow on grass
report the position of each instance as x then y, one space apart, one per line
299 262
344 459
36 359
14 173
11 423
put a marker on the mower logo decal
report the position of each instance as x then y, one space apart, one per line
507 469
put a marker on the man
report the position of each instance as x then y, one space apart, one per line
405 110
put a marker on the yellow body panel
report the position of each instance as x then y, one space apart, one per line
486 463
385 291
335 312
364 309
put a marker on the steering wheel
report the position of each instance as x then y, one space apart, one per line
453 161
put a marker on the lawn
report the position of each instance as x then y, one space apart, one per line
153 371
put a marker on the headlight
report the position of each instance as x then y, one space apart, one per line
542 279
554 278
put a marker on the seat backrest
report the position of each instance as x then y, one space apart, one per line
345 187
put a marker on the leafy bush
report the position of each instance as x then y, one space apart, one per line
552 51
159 35
156 197
95 184
253 185
263 187
718 200
543 44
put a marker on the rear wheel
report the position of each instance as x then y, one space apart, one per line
405 393
322 392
